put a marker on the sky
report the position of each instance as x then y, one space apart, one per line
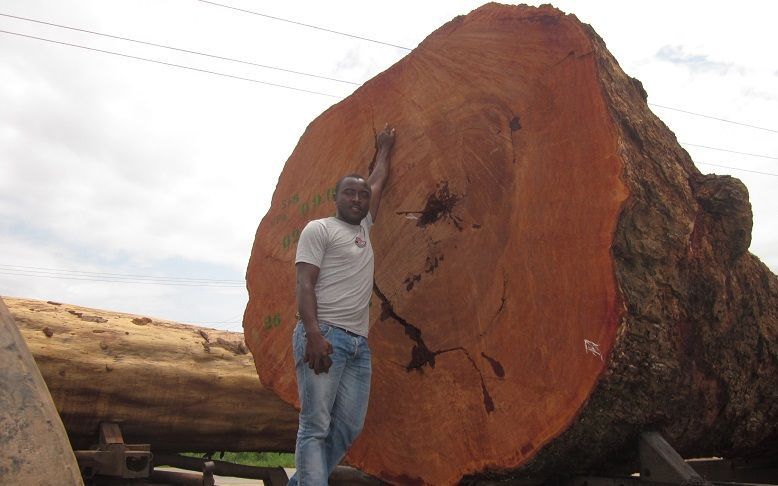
137 186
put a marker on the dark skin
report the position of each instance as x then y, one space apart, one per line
355 197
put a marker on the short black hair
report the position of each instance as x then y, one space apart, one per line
350 176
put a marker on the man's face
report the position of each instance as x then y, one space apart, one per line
353 200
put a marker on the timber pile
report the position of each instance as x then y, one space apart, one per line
174 386
553 274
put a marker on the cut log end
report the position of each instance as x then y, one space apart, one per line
553 275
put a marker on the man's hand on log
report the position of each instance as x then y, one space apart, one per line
317 353
385 138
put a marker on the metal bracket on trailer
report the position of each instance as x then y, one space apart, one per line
660 463
112 457
112 462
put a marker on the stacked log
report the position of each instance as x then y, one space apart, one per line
174 386
553 273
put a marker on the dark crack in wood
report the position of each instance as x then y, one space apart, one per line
488 401
496 365
432 263
440 205
422 356
411 280
503 301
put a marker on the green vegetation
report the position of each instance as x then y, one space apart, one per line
259 459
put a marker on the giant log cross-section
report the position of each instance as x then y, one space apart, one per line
553 274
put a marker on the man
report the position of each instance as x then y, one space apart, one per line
334 266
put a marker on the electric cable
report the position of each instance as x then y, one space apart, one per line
730 151
306 25
6 266
737 168
301 73
126 281
409 49
170 64
713 117
224 58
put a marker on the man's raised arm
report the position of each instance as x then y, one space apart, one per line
380 174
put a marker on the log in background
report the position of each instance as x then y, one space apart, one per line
553 274
174 386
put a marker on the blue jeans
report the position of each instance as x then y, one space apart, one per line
332 405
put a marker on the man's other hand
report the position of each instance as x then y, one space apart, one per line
317 353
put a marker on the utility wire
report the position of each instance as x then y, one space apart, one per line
714 118
408 49
730 151
305 25
224 58
301 73
737 168
5 266
129 281
233 318
170 64
232 323
309 74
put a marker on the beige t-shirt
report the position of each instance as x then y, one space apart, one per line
344 255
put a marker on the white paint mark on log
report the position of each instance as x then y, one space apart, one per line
593 348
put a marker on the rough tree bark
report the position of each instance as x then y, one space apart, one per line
174 386
553 274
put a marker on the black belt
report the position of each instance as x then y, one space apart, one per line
349 332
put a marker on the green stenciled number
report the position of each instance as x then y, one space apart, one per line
272 321
331 194
290 239
278 218
304 208
286 203
316 200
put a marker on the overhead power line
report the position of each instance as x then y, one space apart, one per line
737 168
211 323
170 64
714 118
56 273
301 73
231 320
188 51
127 281
730 151
293 71
129 275
306 25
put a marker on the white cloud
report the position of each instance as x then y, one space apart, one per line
694 62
